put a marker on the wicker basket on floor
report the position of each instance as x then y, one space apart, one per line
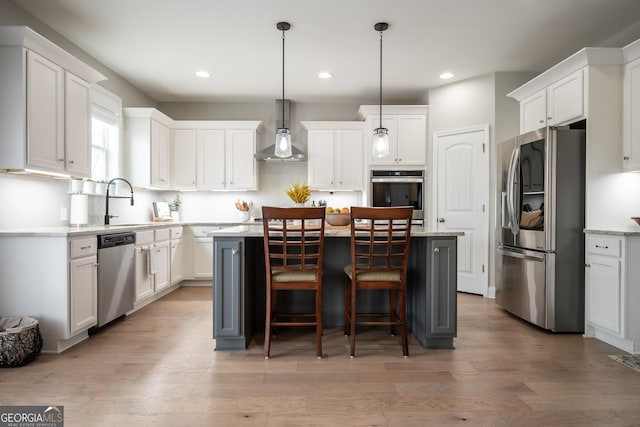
20 341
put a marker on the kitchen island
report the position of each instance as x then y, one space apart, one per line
239 285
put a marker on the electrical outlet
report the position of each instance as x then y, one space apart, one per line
63 213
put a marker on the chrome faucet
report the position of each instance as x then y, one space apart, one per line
107 197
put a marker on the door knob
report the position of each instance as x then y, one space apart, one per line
441 219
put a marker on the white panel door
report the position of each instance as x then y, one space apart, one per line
533 112
565 99
462 186
83 294
160 146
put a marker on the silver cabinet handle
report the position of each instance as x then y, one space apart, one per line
436 250
625 158
602 247
82 248
587 265
549 118
541 121
441 220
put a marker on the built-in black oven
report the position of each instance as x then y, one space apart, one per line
398 188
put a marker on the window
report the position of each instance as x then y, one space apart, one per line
105 135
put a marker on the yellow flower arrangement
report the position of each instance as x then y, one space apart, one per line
298 193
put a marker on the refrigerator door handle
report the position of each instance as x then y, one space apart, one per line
511 196
515 253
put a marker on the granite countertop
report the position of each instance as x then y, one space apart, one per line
72 231
615 231
256 230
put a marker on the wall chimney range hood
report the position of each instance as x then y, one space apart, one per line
268 154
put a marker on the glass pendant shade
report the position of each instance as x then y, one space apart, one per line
380 147
283 143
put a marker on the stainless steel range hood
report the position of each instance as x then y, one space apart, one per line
268 154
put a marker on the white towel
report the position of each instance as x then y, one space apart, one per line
151 259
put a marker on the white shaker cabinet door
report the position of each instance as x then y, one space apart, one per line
565 99
176 261
45 113
533 112
632 116
77 125
349 159
412 140
603 292
184 159
83 295
211 159
163 263
241 164
320 166
160 138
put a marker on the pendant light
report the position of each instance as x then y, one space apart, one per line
380 147
283 135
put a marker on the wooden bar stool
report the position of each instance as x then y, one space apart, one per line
293 251
379 257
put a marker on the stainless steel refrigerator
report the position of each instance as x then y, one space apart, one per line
540 240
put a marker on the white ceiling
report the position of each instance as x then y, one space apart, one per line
157 45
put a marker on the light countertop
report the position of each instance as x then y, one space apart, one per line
615 231
256 230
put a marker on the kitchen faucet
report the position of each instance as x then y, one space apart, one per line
106 213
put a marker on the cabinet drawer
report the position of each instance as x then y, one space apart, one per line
607 246
176 233
144 237
83 247
163 234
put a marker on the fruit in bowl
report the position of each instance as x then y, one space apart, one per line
337 216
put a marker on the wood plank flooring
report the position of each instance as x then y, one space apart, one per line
158 368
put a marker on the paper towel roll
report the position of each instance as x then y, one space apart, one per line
79 209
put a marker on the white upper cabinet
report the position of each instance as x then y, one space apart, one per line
45 108
148 137
215 155
407 125
336 160
631 96
561 102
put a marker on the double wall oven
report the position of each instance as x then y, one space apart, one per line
398 188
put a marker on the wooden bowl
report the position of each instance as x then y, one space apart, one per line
636 219
338 219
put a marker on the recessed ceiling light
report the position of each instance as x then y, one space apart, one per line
202 73
446 76
325 75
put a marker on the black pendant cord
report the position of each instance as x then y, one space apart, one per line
283 79
380 79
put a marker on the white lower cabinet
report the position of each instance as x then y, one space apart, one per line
612 295
153 265
83 284
176 255
163 260
203 258
54 280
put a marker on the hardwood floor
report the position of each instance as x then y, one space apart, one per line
158 368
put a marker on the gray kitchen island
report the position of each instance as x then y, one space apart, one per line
239 285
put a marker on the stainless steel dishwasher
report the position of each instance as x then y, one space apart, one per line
116 276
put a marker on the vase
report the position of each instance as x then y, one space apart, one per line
243 216
89 187
298 205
